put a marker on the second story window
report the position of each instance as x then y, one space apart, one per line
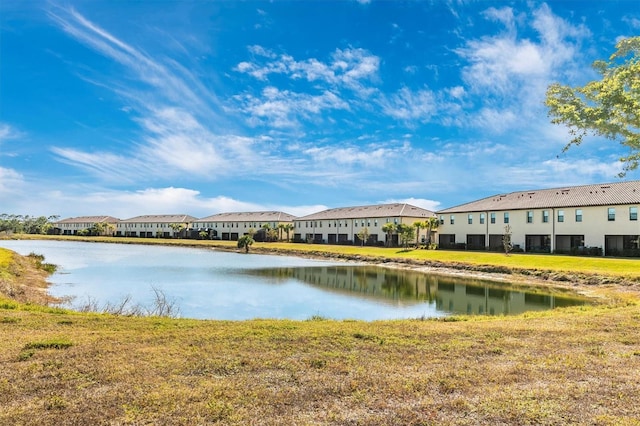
578 215
470 219
545 216
529 216
493 218
452 219
481 218
633 213
560 215
506 217
611 214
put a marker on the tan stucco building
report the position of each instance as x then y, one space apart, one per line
594 219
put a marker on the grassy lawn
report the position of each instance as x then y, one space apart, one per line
576 365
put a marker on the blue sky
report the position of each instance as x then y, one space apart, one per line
151 107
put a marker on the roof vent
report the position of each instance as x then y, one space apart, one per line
605 187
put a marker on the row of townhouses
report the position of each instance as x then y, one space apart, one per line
594 219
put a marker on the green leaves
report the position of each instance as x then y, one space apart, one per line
609 107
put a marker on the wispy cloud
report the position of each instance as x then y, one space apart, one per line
283 108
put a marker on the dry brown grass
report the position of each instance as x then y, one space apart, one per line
569 366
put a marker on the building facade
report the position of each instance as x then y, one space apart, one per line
231 226
593 219
342 225
156 226
84 224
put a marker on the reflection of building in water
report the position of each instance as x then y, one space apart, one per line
454 295
487 299
371 281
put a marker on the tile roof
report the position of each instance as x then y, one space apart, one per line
161 218
378 210
89 219
270 216
607 194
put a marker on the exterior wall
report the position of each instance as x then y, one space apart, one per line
591 231
233 230
344 231
75 227
144 229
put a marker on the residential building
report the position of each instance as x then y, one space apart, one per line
588 218
231 226
342 225
81 224
165 225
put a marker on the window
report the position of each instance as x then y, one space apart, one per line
493 218
545 216
481 218
633 213
611 214
441 220
452 219
470 219
578 215
560 216
529 216
506 217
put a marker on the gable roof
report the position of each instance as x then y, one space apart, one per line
89 219
268 216
378 210
606 194
161 218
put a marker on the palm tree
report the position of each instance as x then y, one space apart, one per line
245 242
432 224
288 228
266 228
177 228
281 227
419 225
389 229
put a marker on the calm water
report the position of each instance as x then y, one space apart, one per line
208 284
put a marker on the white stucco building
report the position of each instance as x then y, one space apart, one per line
342 225
231 226
73 225
155 226
586 218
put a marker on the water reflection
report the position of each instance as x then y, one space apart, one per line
451 295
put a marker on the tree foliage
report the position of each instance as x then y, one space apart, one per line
19 224
608 107
363 235
406 233
245 242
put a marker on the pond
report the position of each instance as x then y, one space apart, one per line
210 284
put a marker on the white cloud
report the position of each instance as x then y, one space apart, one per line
10 182
406 105
283 108
418 202
8 132
362 156
347 67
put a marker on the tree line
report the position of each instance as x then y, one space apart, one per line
19 224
